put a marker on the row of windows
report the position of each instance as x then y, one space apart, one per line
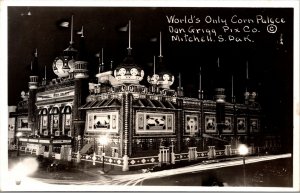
57 122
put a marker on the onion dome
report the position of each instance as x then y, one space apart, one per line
165 79
128 72
64 65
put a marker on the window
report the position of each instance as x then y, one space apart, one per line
43 114
54 113
66 119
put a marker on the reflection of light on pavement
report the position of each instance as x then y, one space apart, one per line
121 180
139 178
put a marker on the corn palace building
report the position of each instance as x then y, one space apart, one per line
120 122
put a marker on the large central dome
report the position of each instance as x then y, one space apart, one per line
128 72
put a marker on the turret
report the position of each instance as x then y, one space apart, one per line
81 91
33 85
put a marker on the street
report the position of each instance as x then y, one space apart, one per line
263 171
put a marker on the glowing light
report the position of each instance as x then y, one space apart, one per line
23 169
243 149
103 140
19 134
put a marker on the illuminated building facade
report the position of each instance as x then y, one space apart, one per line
144 124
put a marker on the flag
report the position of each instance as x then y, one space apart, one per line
97 55
124 28
80 32
154 39
63 23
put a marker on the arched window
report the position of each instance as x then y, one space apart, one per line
54 114
43 115
66 123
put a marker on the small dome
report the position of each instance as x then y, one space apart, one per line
129 72
165 80
153 79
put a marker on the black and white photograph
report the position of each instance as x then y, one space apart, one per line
140 96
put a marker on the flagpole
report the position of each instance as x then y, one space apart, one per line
102 56
129 34
160 46
71 42
200 84
232 89
45 72
247 76
82 31
179 79
154 65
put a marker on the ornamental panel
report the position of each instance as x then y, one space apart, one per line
154 122
104 122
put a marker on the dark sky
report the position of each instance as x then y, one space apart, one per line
270 59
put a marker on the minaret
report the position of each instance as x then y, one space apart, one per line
81 92
33 85
220 99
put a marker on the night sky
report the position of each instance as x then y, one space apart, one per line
269 54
